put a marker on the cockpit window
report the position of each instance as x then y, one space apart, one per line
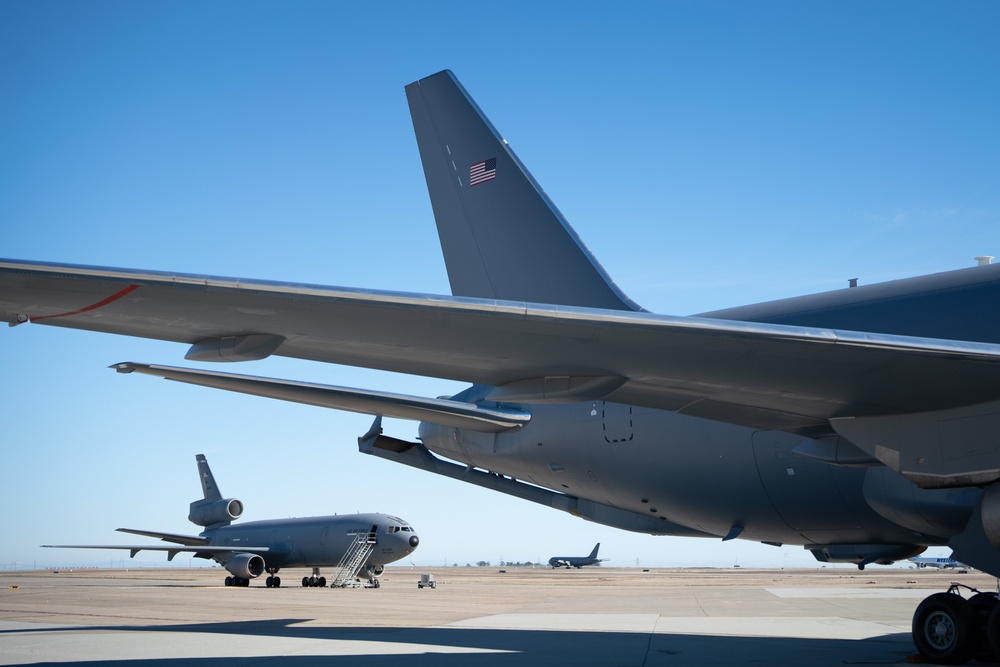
395 529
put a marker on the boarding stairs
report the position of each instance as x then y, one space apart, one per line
354 558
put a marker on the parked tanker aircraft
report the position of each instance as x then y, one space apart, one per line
577 561
859 423
353 543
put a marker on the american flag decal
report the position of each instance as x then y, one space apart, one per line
483 171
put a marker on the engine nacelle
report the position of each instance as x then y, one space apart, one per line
214 512
937 512
245 566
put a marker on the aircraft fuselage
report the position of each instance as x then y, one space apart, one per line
712 478
319 541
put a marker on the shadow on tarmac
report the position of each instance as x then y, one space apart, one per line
458 647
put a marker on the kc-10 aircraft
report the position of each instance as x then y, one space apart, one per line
577 561
350 542
859 423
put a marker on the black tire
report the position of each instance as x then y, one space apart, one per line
305 581
992 632
984 604
945 629
322 582
277 582
229 581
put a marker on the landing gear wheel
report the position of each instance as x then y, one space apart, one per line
322 582
984 604
229 581
992 630
277 582
945 629
305 582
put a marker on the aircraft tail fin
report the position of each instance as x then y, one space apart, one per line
501 235
208 485
593 554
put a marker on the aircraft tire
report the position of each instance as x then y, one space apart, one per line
229 581
984 604
992 631
305 582
322 582
277 582
946 629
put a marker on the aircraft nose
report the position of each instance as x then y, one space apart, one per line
414 541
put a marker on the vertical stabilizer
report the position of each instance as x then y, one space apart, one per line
593 554
501 236
208 486
214 510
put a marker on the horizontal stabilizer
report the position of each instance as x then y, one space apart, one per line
446 412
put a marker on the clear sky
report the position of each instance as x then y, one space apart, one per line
710 154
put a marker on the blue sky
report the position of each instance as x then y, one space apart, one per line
710 154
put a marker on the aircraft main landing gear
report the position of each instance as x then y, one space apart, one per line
315 580
237 581
273 581
950 630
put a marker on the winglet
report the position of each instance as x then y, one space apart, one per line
502 236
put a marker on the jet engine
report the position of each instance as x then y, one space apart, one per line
245 566
215 512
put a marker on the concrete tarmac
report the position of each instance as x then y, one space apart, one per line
524 616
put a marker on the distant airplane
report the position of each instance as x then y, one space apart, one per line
941 563
859 423
349 542
577 561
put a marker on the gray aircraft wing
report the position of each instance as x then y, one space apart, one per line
187 540
760 375
199 551
448 412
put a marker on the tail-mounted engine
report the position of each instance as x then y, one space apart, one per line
245 566
211 513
